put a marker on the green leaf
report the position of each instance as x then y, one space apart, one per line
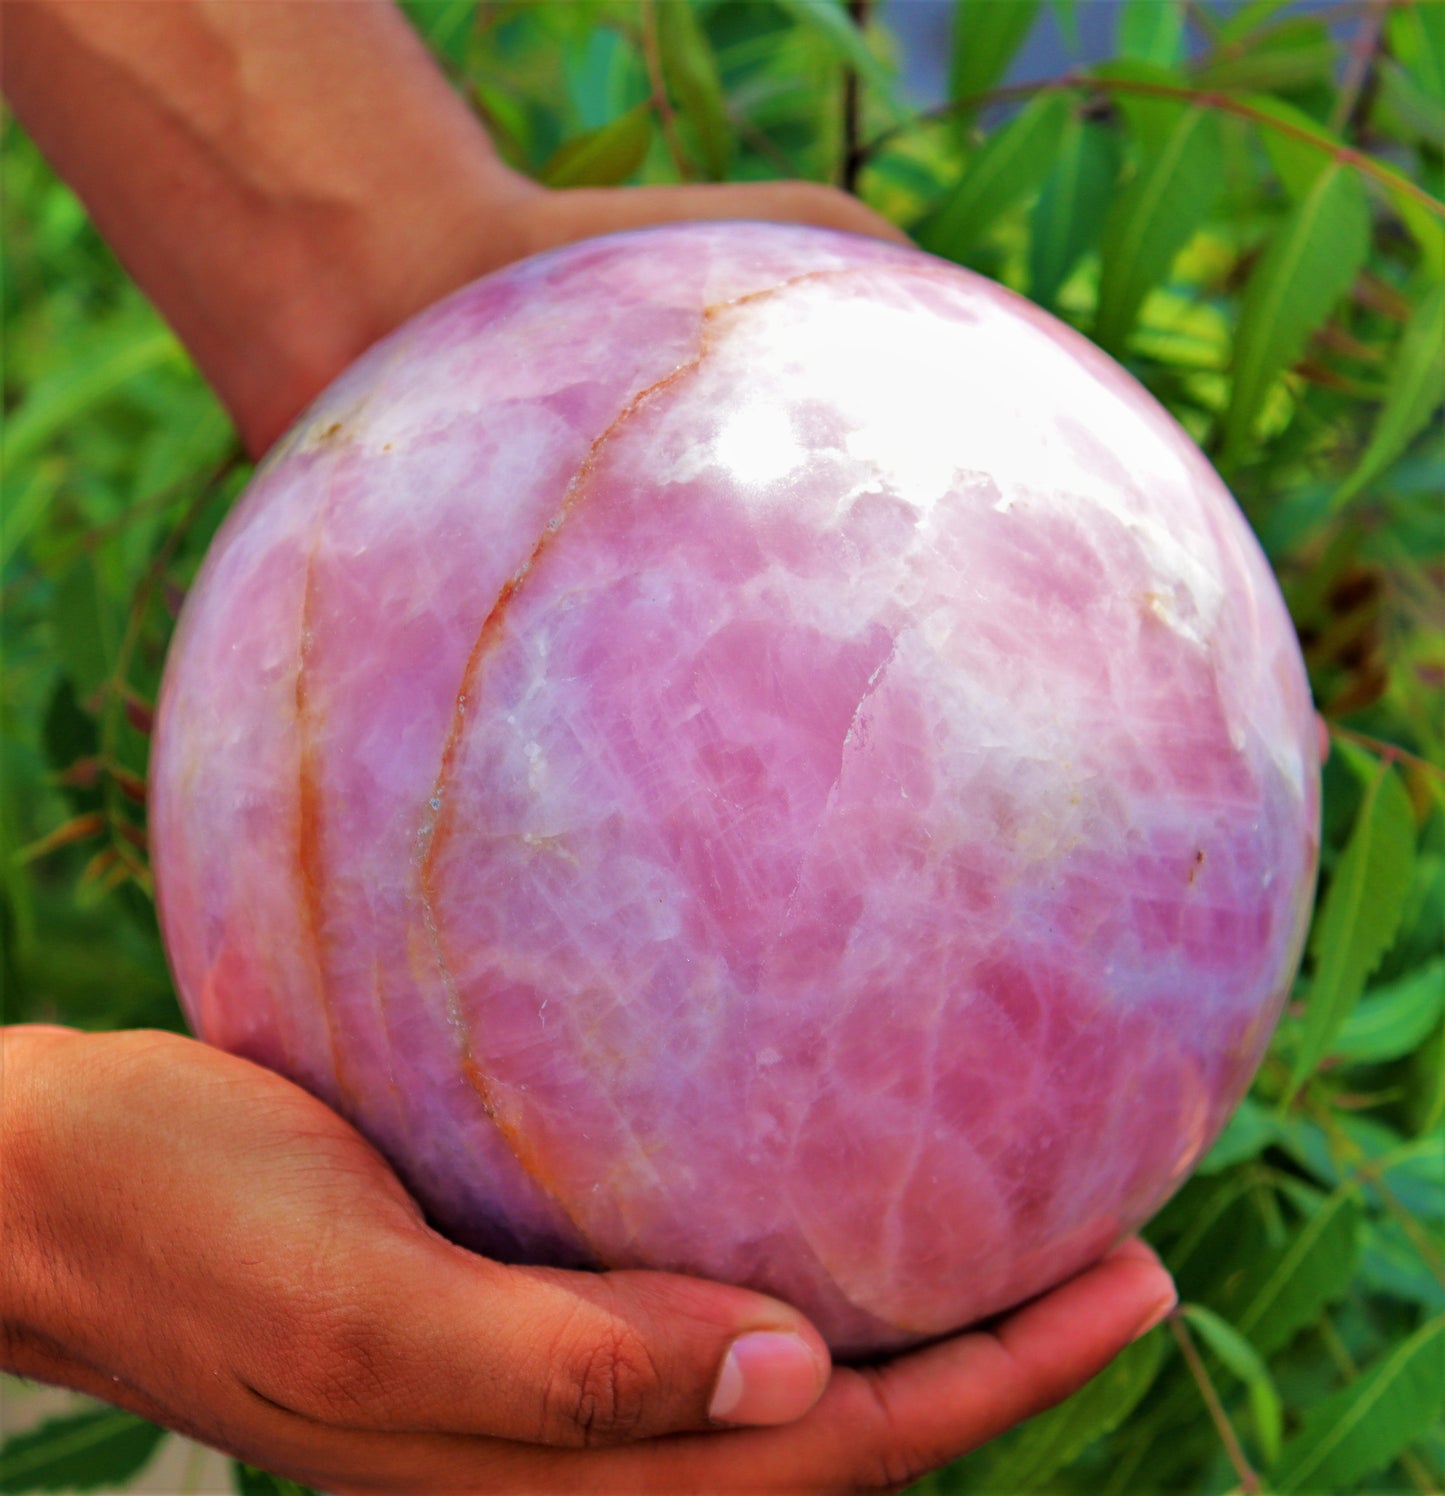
249 1481
1285 1290
1359 1430
1151 31
84 625
1310 263
1414 111
1299 148
1154 218
1248 18
99 1449
1011 162
1393 1021
1066 14
604 157
63 398
1151 116
445 25
1413 396
1056 1438
1246 1135
1420 45
986 35
690 72
1247 1364
1292 55
1069 215
828 21
1360 914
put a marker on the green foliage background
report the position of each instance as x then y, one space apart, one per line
1242 205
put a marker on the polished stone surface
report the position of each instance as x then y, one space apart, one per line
753 751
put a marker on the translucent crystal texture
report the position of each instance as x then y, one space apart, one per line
746 750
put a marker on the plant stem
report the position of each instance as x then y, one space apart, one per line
1204 98
1357 83
854 155
666 115
1248 1478
1387 750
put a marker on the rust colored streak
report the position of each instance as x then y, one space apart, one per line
525 1155
309 818
438 823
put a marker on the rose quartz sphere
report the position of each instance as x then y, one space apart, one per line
751 751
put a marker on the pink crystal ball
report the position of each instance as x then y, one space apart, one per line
750 751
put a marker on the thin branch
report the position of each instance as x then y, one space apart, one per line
1387 750
1248 1479
666 115
116 687
1358 79
853 154
1205 98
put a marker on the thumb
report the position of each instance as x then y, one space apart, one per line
426 1337
627 1355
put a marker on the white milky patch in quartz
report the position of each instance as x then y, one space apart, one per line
750 751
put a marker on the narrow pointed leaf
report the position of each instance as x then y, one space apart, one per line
57 402
604 157
1247 18
1054 1439
832 25
1012 162
1152 31
1248 1365
446 25
1360 914
98 1449
1246 1135
1417 38
1293 54
1153 218
1066 13
690 72
1151 116
251 1482
986 36
1069 215
1299 148
1361 1429
1309 265
1285 1290
1413 397
1394 1021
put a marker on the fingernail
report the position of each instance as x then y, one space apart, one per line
1157 1315
769 1376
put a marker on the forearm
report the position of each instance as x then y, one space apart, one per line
286 180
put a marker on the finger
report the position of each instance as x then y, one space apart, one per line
613 209
936 1405
873 1430
881 1428
427 1337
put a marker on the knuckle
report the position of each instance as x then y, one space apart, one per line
600 1385
894 1462
335 1362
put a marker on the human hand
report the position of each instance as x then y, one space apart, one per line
203 1242
289 182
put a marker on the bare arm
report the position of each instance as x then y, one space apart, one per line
289 180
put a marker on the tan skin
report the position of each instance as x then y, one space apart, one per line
192 1237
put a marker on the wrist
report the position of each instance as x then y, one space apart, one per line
28 1124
